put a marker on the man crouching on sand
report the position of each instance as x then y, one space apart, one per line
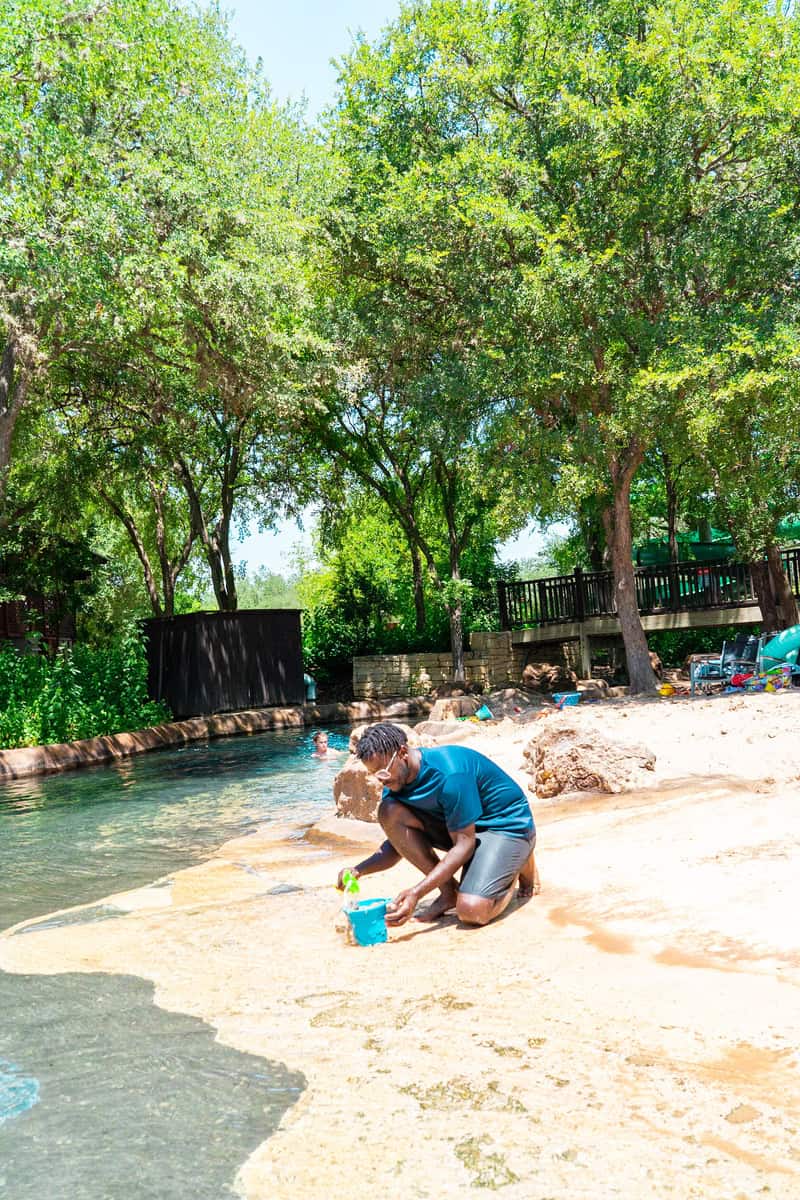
453 799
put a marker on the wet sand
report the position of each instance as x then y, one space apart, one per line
633 1031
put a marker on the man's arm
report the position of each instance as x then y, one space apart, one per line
461 852
381 860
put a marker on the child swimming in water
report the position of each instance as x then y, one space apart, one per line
321 747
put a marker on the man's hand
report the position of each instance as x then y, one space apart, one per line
341 875
402 907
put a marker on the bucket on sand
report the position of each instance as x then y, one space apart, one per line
368 922
562 699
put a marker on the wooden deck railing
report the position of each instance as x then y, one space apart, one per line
671 587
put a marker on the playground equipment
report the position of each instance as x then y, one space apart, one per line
748 654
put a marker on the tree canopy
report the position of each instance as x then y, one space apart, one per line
536 263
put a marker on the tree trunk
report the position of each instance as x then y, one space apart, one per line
419 590
215 544
13 387
781 588
222 576
597 551
457 640
766 600
593 537
141 551
671 490
617 521
448 482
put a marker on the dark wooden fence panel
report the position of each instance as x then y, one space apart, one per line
202 663
668 587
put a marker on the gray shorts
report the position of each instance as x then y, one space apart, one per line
498 857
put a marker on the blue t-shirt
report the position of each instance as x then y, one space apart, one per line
463 787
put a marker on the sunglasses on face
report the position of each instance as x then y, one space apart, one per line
385 772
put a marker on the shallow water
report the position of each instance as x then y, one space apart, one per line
75 837
104 1096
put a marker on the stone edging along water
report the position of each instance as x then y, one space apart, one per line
65 756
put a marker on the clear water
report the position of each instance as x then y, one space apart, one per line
75 837
104 1096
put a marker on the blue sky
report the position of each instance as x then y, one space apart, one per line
296 42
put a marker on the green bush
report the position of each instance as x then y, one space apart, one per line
81 692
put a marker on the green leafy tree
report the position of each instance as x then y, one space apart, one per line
204 335
626 181
746 435
86 89
360 599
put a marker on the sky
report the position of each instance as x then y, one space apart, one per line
296 42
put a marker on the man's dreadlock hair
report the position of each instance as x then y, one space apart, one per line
380 739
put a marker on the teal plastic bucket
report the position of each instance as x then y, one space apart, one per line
368 920
563 699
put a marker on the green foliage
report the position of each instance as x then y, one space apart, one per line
263 589
601 198
361 601
82 692
156 214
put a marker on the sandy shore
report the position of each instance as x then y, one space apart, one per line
633 1031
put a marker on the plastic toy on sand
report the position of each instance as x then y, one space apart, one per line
368 922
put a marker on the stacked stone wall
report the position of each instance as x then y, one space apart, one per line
491 661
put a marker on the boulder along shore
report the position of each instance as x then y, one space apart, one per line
632 1031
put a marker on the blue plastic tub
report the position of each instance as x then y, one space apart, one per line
562 699
368 921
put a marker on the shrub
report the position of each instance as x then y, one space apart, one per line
79 693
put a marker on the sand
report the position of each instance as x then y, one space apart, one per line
632 1031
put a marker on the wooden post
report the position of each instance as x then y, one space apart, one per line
674 588
502 604
542 593
580 595
585 653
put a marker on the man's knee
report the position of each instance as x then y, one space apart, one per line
392 814
475 910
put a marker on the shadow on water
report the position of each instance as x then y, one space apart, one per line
127 1101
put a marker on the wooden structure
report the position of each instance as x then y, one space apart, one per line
208 662
38 615
686 587
581 607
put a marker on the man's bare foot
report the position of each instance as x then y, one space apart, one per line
528 880
442 904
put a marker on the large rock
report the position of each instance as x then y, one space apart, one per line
452 687
567 758
446 731
548 677
452 707
356 792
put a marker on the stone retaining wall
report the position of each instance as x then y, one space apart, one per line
64 756
492 661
